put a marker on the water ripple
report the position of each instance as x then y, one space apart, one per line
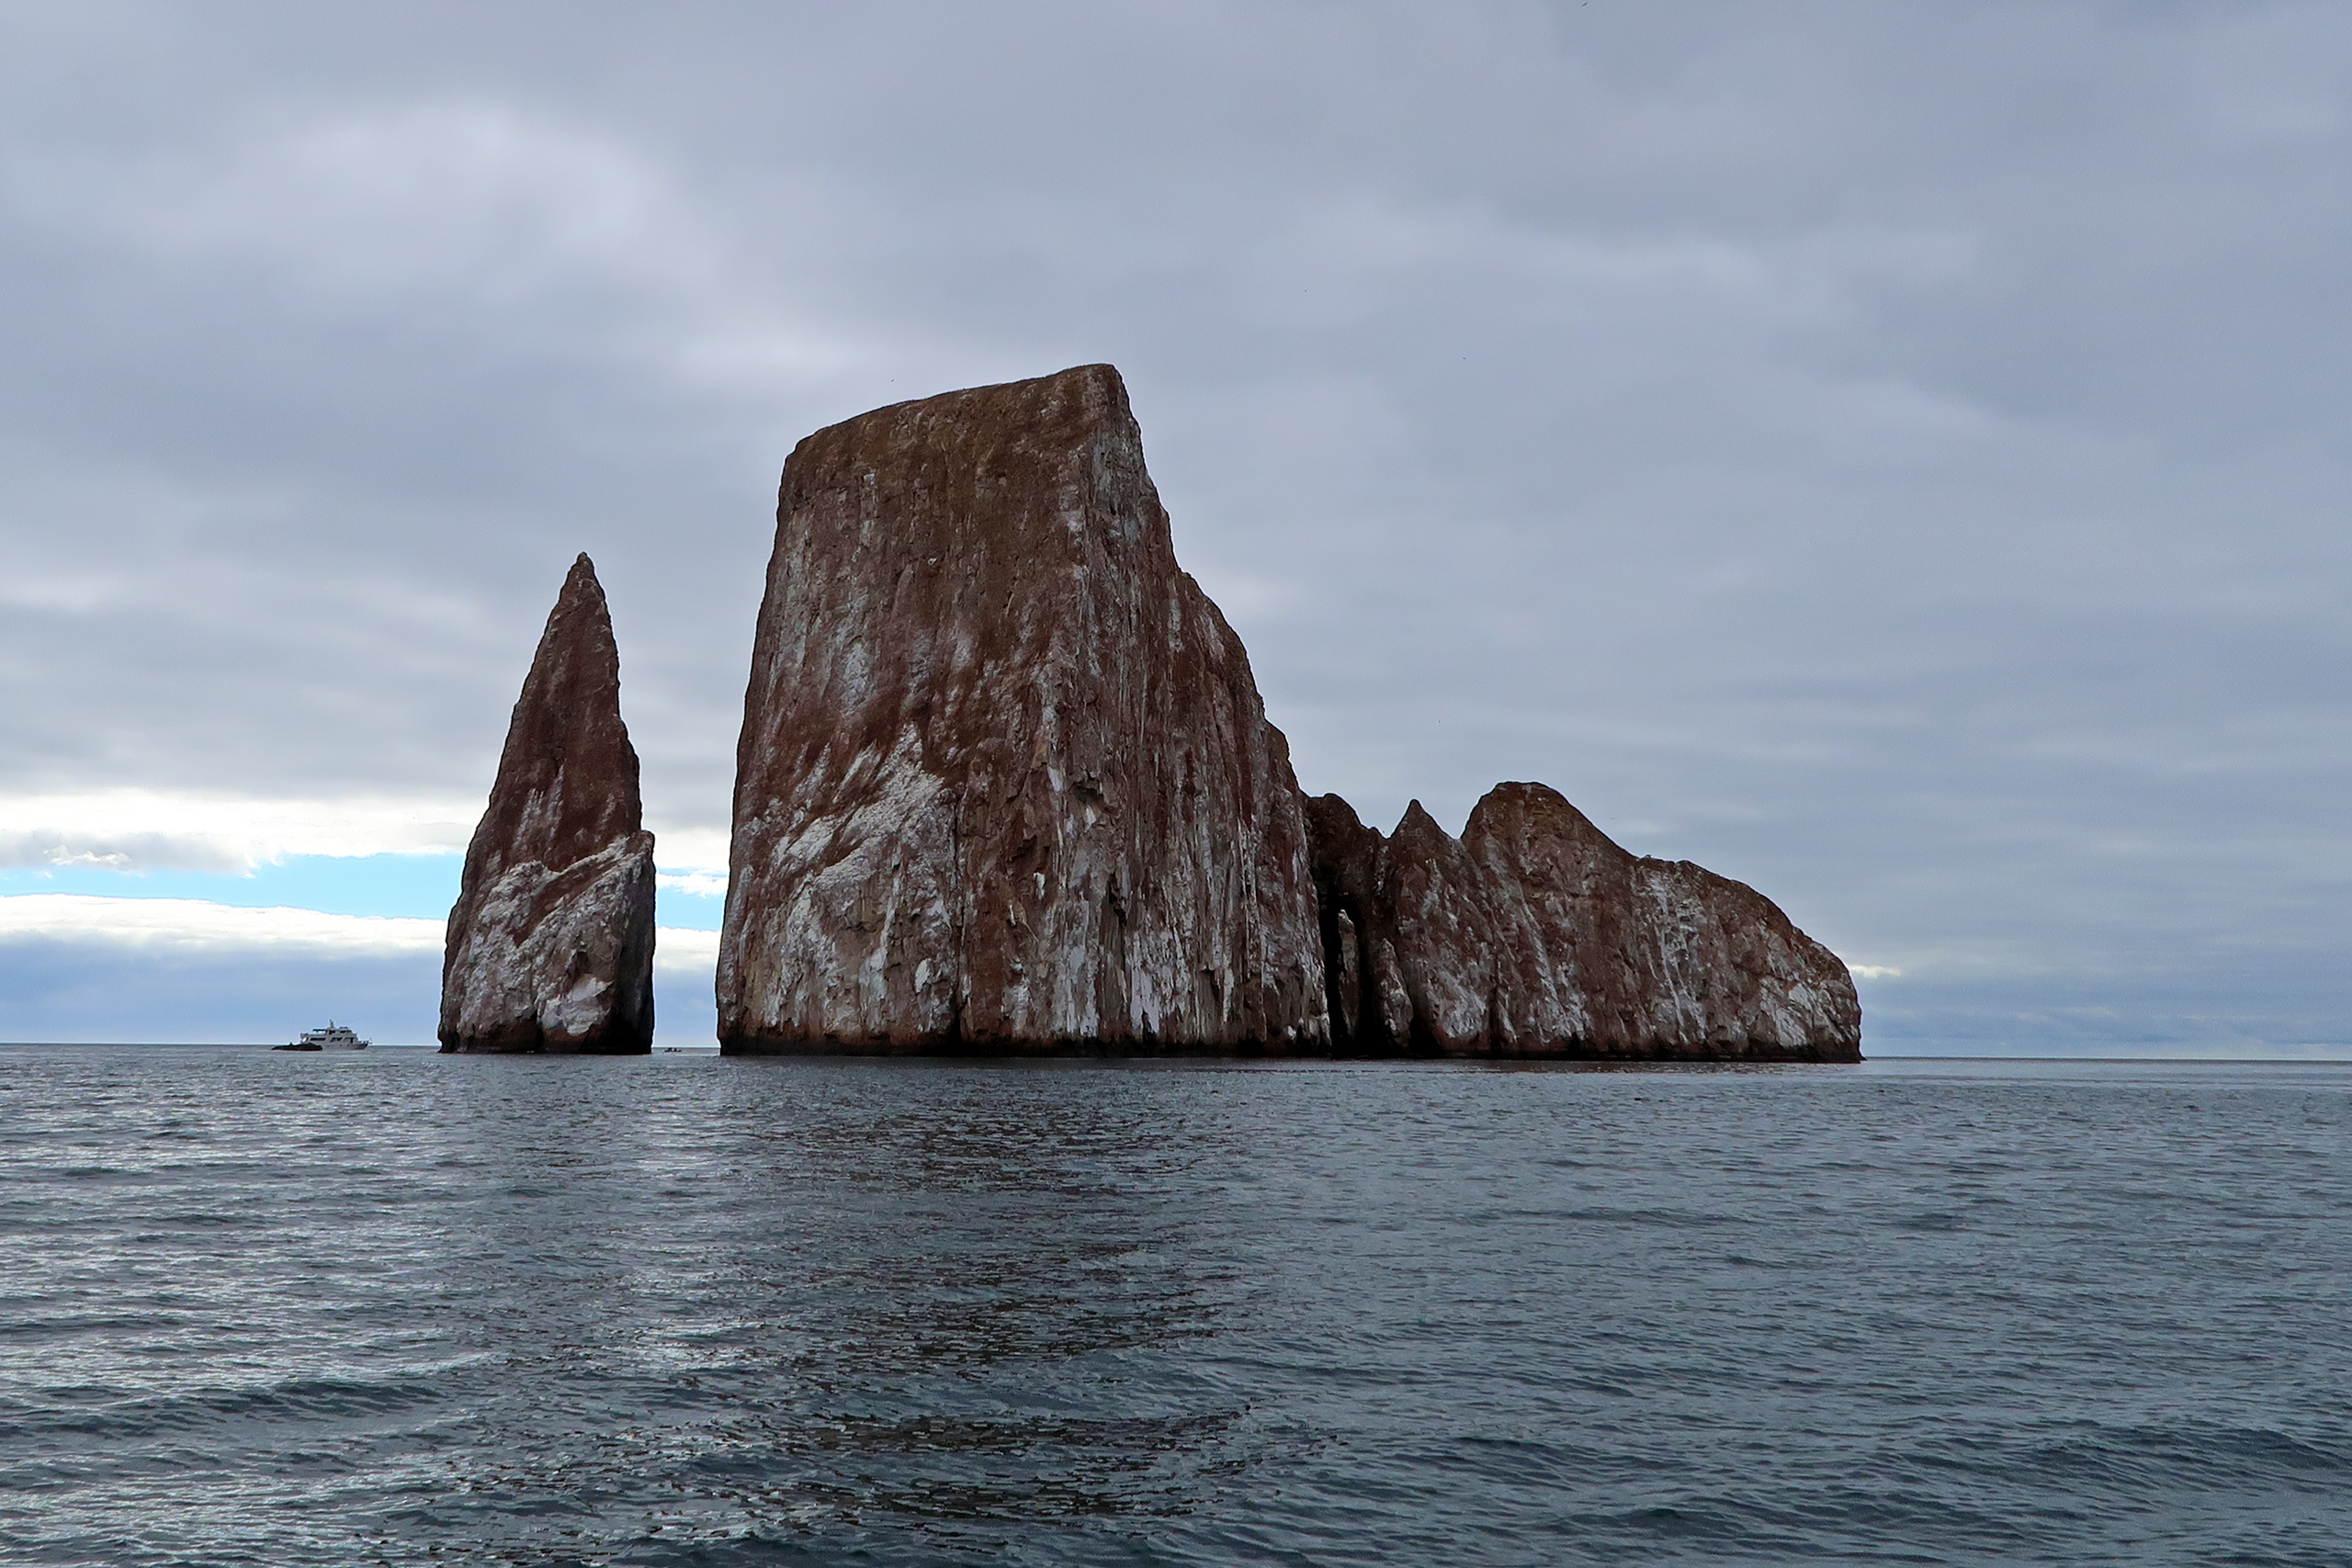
272 1310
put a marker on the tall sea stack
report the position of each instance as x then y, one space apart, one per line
1534 935
551 942
1005 783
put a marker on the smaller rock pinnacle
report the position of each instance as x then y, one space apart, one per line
550 943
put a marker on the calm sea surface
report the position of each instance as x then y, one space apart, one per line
263 1308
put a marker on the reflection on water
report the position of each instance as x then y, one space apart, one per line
407 1308
809 1297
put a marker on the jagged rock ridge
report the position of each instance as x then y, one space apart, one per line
1005 783
1534 935
550 944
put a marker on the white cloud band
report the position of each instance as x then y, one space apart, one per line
195 926
139 829
143 829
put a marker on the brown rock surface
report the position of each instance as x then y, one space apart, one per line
1005 783
551 942
1534 935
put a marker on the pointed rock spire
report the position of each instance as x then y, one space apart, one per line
1005 783
551 945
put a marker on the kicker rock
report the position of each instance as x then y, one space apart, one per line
551 941
1005 783
1534 935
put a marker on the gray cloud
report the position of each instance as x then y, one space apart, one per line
171 969
1893 455
72 991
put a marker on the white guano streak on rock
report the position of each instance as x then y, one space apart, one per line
514 967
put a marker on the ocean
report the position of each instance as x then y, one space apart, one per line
395 1308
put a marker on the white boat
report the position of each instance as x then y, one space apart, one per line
334 1037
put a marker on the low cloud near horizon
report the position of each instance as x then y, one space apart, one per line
221 973
1891 455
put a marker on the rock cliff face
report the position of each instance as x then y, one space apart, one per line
551 941
1534 935
1005 783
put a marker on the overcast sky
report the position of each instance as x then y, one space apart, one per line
1893 455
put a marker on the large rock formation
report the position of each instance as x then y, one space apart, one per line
551 941
1534 935
1005 783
